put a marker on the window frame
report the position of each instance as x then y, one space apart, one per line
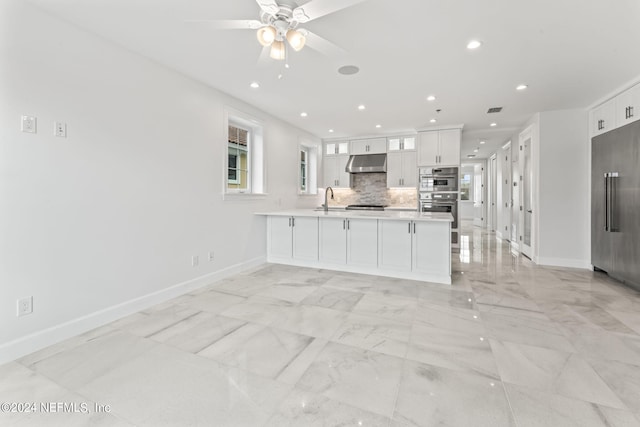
256 182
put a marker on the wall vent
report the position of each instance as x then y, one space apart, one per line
494 110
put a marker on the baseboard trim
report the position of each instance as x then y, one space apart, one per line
564 262
23 346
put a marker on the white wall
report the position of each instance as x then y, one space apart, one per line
114 212
563 188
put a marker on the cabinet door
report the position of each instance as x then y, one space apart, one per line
626 105
394 169
343 178
409 143
603 118
280 240
394 245
393 144
330 171
359 146
428 148
450 147
305 238
333 240
431 248
409 169
376 146
362 242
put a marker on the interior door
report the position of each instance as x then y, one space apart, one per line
515 200
505 223
526 196
493 177
478 195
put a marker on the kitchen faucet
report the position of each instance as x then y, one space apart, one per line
326 202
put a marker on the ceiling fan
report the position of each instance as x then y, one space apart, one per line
279 22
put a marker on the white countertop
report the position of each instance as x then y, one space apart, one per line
389 215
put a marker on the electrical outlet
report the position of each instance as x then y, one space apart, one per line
60 129
211 256
28 124
195 260
25 306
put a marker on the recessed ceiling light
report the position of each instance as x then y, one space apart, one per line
361 107
432 120
348 70
303 114
471 156
474 44
431 98
521 87
476 150
255 85
493 125
482 142
378 126
330 130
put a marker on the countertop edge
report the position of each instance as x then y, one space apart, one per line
384 215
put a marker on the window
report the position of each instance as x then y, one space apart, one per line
465 186
304 171
308 152
238 158
243 160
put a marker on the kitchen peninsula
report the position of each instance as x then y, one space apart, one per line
407 245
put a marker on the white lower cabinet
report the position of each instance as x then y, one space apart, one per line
349 241
333 240
427 257
394 245
293 237
362 242
416 246
418 250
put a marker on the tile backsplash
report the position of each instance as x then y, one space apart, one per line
371 189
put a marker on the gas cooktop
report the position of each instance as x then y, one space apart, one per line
366 207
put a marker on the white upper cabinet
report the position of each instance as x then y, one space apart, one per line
334 171
400 143
627 106
402 169
603 118
336 147
369 146
439 147
617 112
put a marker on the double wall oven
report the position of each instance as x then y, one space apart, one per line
439 193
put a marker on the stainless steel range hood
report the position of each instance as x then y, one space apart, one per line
367 163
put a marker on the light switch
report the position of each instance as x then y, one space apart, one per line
60 129
28 124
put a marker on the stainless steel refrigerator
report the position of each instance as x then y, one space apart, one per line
615 203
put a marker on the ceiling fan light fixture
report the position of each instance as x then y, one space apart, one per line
278 50
266 35
296 39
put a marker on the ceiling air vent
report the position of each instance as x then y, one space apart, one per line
494 110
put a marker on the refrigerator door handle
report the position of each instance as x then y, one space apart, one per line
606 201
613 177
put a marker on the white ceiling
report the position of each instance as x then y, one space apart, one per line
571 53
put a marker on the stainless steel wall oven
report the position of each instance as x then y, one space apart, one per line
438 179
442 202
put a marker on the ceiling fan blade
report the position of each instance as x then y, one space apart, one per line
323 45
318 8
228 24
269 6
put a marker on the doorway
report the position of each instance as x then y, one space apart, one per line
492 199
526 194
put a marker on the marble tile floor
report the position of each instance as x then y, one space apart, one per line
509 343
